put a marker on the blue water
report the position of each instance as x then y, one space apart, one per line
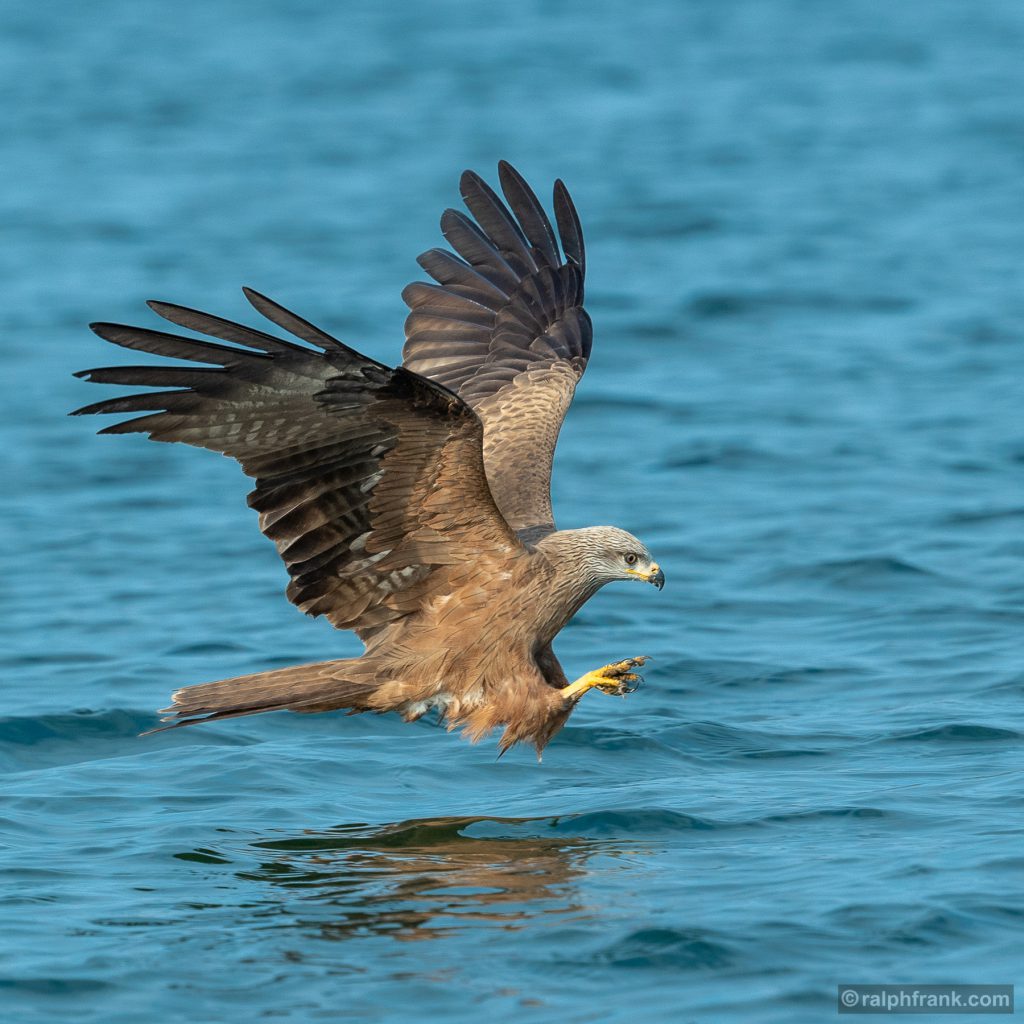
805 236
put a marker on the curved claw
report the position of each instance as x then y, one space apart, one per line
621 685
618 668
616 679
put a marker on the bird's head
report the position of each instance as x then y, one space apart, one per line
608 554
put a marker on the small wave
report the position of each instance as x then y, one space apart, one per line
32 742
982 516
1004 864
934 928
602 404
715 738
76 725
825 813
856 573
211 647
54 986
729 673
716 305
599 737
1014 685
712 736
957 732
27 659
632 822
907 924
783 753
725 455
681 949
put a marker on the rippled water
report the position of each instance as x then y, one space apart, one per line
805 238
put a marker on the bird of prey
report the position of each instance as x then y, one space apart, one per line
410 504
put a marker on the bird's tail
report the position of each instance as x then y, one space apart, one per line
323 686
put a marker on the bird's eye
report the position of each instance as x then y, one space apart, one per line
631 558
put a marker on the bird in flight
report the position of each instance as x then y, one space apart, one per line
410 504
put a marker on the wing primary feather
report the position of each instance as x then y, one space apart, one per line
174 346
296 325
569 228
477 249
140 425
497 223
151 401
527 209
449 270
151 376
218 327
420 294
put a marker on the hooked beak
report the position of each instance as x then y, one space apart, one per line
653 575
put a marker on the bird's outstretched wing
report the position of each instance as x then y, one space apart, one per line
505 329
368 479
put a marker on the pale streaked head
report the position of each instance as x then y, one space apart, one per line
606 554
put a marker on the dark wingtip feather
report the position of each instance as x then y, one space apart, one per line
292 322
226 330
497 222
166 311
526 207
138 425
173 346
569 227
85 410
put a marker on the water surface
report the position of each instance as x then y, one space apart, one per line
805 248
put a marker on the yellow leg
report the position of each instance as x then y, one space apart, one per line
617 679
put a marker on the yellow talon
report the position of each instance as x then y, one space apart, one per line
615 679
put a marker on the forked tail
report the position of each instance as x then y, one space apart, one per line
322 686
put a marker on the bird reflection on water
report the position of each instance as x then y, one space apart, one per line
425 879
